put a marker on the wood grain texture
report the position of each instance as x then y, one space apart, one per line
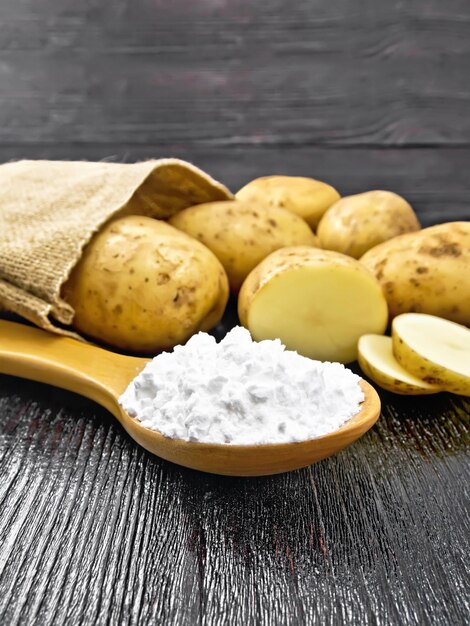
93 526
216 71
434 180
365 94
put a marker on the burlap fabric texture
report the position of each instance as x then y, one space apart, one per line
49 210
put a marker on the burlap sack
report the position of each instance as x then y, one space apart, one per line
49 210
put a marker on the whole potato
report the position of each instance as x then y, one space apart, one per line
426 272
144 286
357 223
242 234
306 197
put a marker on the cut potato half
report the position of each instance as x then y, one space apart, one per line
434 349
317 302
375 356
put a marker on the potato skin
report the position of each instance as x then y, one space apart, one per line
394 385
306 197
141 285
426 272
357 223
387 381
242 234
438 369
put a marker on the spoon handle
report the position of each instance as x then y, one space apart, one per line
64 362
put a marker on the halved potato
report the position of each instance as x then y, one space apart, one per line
317 302
434 349
375 356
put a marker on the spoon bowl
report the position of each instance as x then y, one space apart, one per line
103 376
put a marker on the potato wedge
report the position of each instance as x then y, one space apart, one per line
434 349
357 223
141 285
375 356
317 302
241 234
306 197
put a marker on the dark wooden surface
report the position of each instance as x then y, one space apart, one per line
362 94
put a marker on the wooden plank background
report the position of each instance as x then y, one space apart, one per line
365 94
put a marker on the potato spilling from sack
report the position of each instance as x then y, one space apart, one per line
142 285
317 302
306 197
242 234
426 272
357 223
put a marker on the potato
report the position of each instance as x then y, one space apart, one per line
426 272
242 234
434 349
142 285
306 197
317 302
357 223
375 356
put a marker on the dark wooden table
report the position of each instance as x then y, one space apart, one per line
365 94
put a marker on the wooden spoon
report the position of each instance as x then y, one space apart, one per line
103 376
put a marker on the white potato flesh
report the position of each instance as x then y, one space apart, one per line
434 349
375 356
321 312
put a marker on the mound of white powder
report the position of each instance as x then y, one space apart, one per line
241 392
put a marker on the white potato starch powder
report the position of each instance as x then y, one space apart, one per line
241 392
